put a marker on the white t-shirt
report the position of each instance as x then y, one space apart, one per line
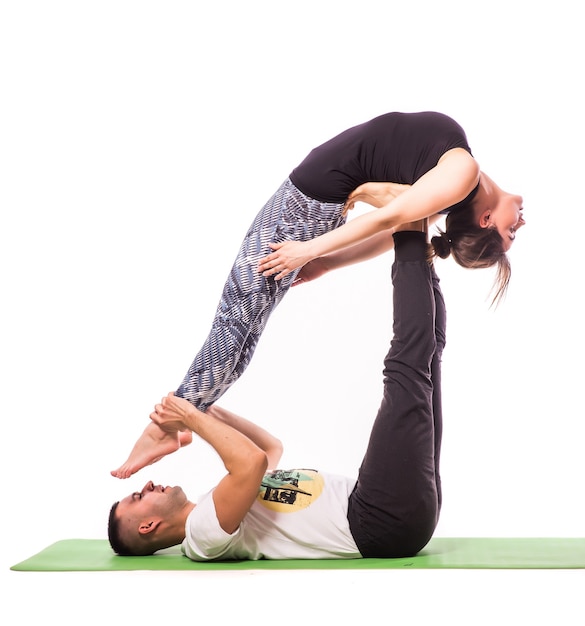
298 514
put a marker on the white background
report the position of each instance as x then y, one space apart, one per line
138 141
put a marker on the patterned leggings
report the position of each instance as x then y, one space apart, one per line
249 298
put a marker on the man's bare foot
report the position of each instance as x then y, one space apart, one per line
152 445
374 194
421 226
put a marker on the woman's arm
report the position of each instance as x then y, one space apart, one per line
364 251
368 249
449 182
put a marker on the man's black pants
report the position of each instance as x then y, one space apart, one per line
394 508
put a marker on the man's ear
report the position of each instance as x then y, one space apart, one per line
484 219
148 526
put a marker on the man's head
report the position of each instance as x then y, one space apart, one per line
148 520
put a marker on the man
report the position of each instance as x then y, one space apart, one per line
391 510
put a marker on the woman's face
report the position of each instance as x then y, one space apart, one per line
507 217
499 209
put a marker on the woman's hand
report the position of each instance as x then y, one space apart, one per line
287 257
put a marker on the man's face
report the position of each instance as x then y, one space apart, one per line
153 500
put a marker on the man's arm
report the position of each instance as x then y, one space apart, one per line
262 438
244 460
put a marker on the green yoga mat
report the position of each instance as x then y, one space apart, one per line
441 553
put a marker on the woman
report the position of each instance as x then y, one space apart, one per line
409 166
424 168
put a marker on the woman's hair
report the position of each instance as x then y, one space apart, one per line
473 247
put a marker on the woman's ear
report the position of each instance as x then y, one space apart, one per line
484 219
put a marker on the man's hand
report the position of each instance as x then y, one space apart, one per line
172 413
287 257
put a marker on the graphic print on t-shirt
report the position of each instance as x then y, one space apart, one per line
286 491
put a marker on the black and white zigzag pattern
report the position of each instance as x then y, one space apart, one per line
249 298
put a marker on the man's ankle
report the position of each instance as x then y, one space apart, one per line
410 245
421 226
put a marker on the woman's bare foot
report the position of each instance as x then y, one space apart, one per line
152 445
